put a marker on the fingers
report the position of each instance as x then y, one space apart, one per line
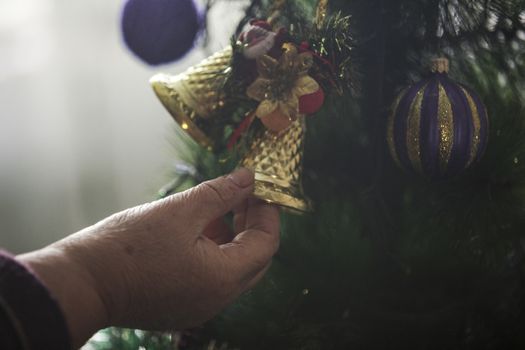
212 199
263 217
239 216
252 249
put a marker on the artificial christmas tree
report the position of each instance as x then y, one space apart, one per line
387 260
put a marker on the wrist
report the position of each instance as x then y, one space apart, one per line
73 287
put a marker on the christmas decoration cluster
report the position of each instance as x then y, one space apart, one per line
274 79
253 99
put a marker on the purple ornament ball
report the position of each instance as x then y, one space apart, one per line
438 127
160 31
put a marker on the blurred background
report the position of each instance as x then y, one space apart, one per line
81 133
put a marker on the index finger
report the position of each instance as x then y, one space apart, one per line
252 249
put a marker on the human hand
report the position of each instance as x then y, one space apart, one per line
169 264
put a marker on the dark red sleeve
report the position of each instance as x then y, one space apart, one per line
29 316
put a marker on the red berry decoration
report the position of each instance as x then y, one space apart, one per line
311 103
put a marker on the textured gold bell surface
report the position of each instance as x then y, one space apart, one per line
276 160
194 96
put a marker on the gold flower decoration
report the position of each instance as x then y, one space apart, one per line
282 82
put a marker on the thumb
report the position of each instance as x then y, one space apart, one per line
215 198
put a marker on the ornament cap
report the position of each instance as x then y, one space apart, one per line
440 65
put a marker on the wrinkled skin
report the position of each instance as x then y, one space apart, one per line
169 264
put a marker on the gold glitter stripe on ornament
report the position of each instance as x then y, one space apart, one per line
446 128
476 120
390 128
413 130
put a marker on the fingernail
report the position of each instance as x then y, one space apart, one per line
242 177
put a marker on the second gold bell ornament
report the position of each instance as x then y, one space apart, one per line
194 96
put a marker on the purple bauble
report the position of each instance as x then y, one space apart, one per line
438 127
160 31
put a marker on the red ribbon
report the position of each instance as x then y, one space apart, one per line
237 133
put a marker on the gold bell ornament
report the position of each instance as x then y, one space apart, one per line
276 160
194 96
